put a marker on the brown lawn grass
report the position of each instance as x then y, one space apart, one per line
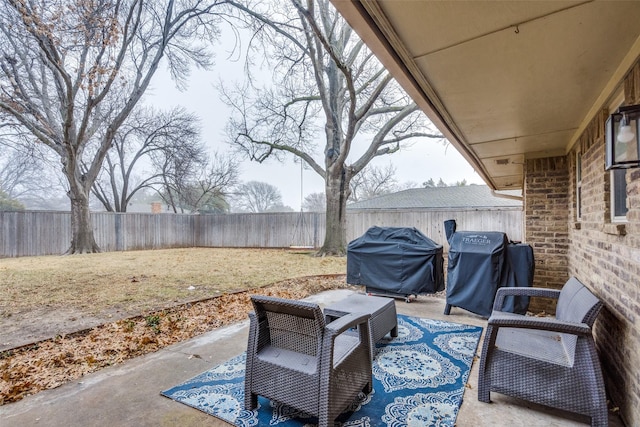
138 281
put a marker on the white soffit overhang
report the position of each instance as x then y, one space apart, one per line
505 81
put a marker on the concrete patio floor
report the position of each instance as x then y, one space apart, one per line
129 394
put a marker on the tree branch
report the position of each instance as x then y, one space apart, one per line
282 147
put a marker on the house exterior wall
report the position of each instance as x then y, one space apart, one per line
546 203
603 254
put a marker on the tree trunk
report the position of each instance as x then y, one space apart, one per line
82 239
335 240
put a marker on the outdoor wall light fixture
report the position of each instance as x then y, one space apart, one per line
622 143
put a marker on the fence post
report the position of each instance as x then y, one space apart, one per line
118 232
316 244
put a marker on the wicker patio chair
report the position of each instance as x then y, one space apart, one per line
295 359
550 361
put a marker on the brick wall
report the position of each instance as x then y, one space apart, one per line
605 256
546 205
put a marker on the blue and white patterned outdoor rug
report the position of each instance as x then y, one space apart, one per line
418 380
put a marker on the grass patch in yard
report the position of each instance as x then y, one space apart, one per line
138 281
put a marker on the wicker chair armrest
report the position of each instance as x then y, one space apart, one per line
509 320
346 322
255 332
502 293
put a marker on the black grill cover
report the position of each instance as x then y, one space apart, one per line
397 260
477 268
521 271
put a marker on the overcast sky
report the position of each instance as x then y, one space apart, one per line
423 160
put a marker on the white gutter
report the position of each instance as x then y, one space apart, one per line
507 196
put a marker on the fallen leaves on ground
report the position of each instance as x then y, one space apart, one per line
51 363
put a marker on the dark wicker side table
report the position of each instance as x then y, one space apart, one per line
382 310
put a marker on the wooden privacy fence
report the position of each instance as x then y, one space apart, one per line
431 222
47 233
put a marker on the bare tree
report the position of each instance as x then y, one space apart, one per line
406 185
25 176
256 196
281 208
373 181
315 202
72 72
196 183
327 81
145 142
9 204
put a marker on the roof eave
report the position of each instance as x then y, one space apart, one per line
362 20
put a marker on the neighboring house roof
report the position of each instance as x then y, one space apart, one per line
470 196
